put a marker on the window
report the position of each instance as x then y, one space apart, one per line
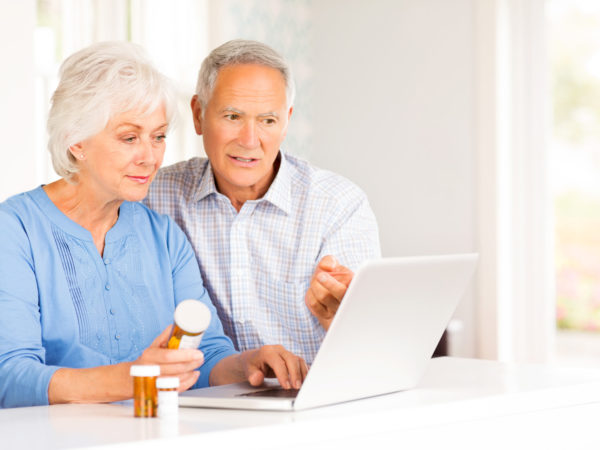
574 58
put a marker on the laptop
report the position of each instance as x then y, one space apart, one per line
380 340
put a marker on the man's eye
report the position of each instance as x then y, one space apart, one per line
129 139
160 138
232 116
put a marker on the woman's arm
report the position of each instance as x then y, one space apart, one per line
113 383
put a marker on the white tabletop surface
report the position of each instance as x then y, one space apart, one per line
460 403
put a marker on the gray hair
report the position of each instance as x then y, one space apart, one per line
240 51
96 83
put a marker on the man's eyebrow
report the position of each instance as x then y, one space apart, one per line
232 109
269 114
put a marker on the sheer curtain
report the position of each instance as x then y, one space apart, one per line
515 277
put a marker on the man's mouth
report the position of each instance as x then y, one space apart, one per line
247 160
244 162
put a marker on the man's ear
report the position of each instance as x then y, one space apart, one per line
197 114
288 122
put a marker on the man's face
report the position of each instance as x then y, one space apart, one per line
243 126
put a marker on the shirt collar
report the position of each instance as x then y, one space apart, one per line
207 183
279 193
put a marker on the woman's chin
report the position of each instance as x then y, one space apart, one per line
135 196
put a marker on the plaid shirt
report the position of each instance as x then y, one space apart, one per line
257 264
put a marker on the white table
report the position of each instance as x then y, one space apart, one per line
460 403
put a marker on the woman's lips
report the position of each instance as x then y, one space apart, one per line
140 180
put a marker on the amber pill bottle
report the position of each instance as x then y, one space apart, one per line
145 397
192 318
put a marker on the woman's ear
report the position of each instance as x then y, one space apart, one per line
77 152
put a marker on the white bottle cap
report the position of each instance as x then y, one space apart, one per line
167 382
144 371
192 316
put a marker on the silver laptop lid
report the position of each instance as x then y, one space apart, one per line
386 328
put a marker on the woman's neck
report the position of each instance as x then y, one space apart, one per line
85 207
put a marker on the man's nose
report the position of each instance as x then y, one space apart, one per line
248 135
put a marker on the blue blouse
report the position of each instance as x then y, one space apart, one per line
63 305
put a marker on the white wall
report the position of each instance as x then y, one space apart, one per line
394 111
17 166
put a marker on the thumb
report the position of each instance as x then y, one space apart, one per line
256 377
162 338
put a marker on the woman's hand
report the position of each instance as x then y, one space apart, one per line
180 363
256 365
113 383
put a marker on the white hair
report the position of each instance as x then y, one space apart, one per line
240 51
96 83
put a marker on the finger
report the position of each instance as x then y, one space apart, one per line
342 274
332 286
279 367
293 364
187 380
323 297
167 356
315 306
179 368
328 262
303 369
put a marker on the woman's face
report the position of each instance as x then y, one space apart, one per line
120 162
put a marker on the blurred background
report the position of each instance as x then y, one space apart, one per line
473 126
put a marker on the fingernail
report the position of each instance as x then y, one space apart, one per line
323 277
298 384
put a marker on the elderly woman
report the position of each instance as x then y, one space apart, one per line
89 277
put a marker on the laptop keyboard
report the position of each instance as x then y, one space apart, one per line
274 392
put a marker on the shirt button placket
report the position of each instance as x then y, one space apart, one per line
240 276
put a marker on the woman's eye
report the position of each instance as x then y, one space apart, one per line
160 138
129 140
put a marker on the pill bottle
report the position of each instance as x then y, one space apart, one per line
192 318
145 398
168 397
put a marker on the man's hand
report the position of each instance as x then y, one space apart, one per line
327 289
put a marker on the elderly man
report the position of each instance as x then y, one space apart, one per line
276 238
